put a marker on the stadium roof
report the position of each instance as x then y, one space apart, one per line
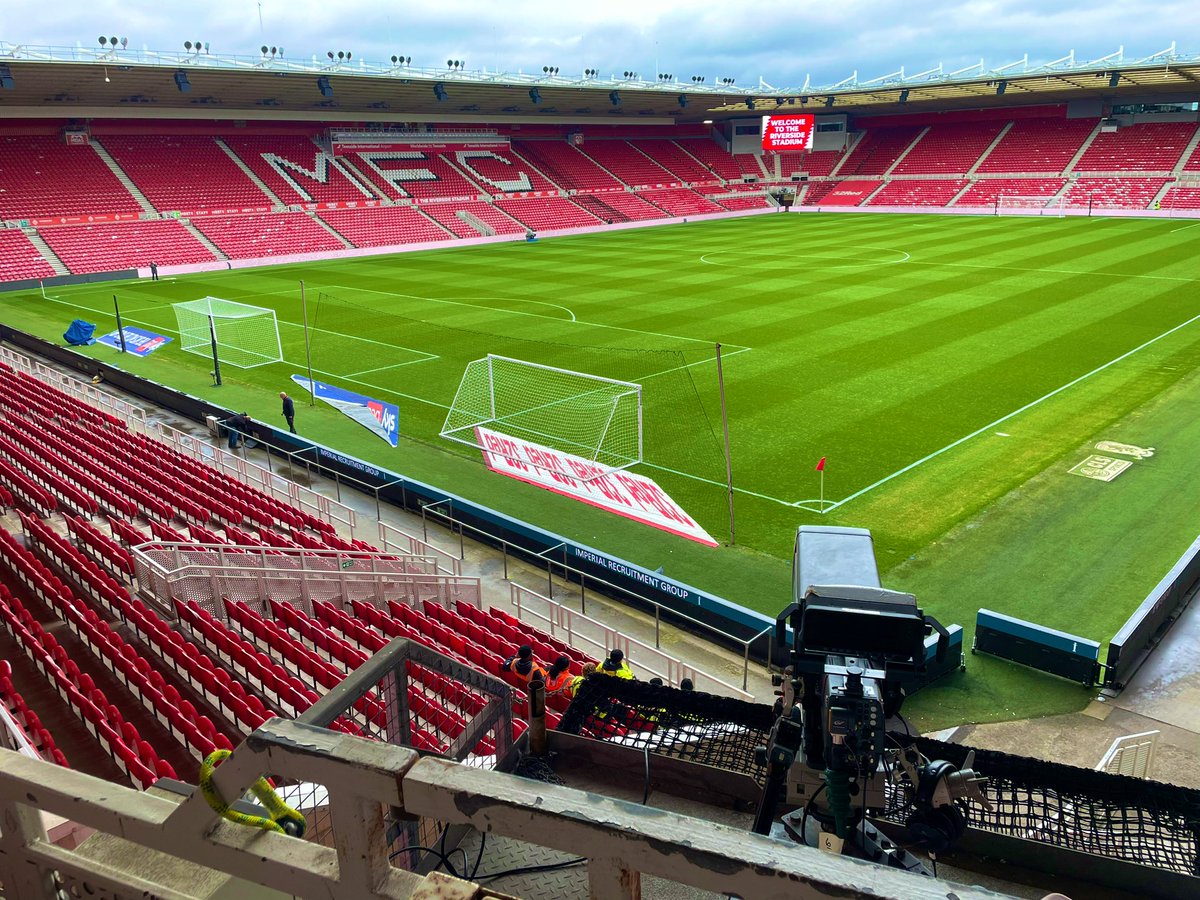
77 82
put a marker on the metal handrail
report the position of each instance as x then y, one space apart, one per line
608 585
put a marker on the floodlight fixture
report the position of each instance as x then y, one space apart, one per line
697 79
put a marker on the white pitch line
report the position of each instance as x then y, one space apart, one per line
298 365
514 312
990 267
1184 228
383 368
1005 418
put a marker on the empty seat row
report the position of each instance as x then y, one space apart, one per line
39 737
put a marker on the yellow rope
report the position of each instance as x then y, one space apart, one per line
284 819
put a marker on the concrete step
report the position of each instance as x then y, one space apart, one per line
346 242
44 249
203 238
992 146
262 185
1082 150
133 189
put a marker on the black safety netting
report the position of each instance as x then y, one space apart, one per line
1115 816
703 728
1145 822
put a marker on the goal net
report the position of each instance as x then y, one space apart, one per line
1030 206
599 419
247 336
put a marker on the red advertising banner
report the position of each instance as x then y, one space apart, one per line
342 148
785 134
84 220
624 493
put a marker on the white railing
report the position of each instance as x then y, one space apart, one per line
596 638
397 540
209 574
80 390
327 509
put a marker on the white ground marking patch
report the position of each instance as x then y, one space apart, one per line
1016 412
1100 468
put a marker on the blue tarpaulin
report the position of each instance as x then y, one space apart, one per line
80 333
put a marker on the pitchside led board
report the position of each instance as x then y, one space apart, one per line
787 134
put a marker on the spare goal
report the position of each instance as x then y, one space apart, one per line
247 336
1048 205
596 418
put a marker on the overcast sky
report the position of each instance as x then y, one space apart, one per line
781 42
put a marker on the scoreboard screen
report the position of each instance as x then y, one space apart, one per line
783 134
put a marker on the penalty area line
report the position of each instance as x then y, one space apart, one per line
1005 418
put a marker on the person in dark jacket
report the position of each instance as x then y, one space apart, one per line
523 665
616 666
239 430
289 411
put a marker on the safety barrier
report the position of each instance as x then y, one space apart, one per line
596 639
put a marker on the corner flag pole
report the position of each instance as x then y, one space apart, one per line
728 461
312 392
120 327
212 333
821 469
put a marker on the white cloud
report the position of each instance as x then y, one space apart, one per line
780 40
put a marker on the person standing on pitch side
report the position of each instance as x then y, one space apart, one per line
289 411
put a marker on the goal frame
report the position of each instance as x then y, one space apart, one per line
200 340
466 433
1031 205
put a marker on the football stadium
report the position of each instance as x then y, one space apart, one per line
430 481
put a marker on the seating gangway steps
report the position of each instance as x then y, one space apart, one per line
983 156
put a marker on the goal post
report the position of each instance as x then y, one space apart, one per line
590 416
246 336
1015 205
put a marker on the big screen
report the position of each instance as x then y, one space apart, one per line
782 134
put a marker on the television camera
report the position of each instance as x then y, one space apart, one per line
829 756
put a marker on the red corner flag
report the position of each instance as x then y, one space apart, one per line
821 465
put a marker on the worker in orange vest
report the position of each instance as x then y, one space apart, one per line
559 675
523 665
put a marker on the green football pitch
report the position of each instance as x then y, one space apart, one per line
951 371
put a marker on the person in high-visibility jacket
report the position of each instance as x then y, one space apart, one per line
559 675
573 685
616 666
523 665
